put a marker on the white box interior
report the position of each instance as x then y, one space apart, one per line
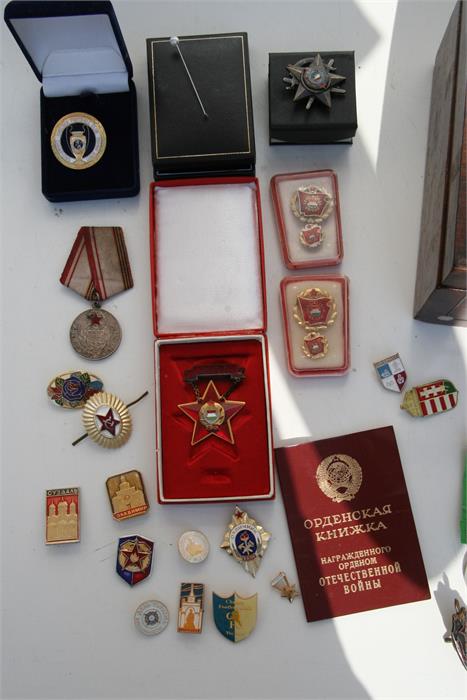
298 253
208 263
74 54
335 334
159 446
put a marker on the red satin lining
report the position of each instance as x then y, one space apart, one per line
214 468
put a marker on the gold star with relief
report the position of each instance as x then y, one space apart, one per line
211 415
313 79
135 555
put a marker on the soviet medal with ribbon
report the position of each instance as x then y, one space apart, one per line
97 269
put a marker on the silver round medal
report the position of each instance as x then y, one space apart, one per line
95 334
151 617
193 546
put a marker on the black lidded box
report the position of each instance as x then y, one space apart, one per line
184 142
77 51
291 123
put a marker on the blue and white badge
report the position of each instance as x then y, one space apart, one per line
391 373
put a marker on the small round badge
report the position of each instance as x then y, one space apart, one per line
193 546
78 140
107 420
151 617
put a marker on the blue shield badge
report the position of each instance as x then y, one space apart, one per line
235 617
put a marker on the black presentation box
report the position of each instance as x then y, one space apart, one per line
77 51
291 123
184 142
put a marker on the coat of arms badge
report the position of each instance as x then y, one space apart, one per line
430 398
391 372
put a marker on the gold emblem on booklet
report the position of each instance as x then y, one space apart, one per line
339 477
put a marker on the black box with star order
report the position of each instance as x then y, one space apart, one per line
291 123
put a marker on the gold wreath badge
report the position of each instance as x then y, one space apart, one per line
107 420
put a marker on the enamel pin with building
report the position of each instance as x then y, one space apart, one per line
134 558
431 398
127 495
246 541
391 373
62 516
191 609
234 616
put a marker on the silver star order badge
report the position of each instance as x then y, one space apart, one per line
313 79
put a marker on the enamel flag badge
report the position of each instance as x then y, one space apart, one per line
391 373
433 397
134 558
234 616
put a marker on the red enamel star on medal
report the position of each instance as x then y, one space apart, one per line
108 422
211 397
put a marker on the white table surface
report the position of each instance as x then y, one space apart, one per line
67 617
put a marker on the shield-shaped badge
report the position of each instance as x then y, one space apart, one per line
134 558
235 617
391 373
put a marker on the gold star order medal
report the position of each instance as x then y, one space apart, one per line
246 541
212 411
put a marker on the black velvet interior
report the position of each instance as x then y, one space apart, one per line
291 122
117 172
183 140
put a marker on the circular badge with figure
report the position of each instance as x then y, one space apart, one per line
78 140
151 617
193 546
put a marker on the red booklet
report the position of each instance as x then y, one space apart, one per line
353 534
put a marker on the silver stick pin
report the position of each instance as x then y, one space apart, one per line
175 41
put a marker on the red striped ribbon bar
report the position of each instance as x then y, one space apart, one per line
98 265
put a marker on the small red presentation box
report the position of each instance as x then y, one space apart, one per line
307 210
209 308
315 310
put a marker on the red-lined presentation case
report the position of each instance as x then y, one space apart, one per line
209 308
330 296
